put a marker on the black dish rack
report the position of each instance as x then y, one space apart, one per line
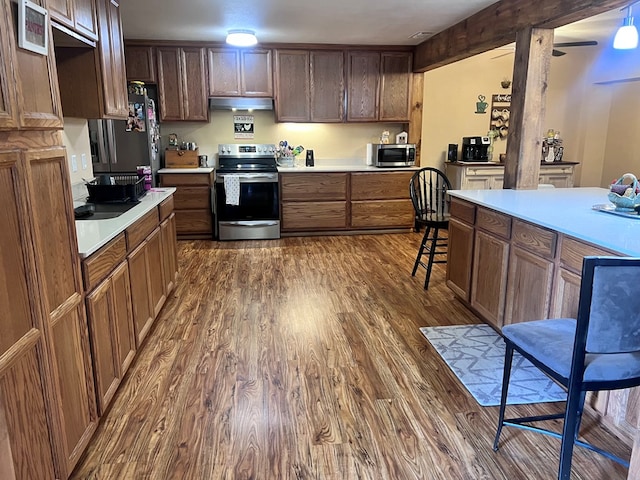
116 188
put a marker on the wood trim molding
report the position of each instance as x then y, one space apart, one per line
498 24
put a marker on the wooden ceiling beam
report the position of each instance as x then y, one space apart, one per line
498 24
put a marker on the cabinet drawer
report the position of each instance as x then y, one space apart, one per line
535 239
165 208
493 222
100 264
573 251
463 211
313 186
194 222
140 230
380 185
382 214
314 216
176 179
192 198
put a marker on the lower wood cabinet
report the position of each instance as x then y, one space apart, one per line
339 201
192 203
490 175
169 252
461 238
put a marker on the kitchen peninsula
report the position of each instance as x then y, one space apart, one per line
516 255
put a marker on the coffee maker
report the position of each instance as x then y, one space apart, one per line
475 149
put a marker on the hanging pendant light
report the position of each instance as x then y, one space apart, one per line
627 35
241 38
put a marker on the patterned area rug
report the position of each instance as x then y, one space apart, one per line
475 353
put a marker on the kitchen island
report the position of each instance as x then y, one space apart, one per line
516 255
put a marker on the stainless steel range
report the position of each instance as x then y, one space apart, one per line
247 192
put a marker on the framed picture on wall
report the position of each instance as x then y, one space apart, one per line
33 29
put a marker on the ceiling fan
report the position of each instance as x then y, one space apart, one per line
555 52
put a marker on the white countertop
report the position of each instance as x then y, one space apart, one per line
187 170
94 234
565 210
344 168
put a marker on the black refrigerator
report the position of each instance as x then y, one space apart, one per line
120 146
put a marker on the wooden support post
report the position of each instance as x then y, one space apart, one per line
528 104
415 119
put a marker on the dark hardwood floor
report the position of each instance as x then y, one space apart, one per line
301 358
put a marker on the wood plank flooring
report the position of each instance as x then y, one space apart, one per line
301 358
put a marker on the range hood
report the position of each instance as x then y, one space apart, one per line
240 103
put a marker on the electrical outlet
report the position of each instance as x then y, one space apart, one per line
74 163
84 161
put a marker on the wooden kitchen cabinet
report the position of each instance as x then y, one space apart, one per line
460 247
192 203
8 96
240 73
58 266
93 81
140 62
379 86
381 200
182 84
292 86
78 15
110 318
490 262
327 86
169 253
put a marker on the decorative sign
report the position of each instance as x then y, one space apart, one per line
33 29
243 126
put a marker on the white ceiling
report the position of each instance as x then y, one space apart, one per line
377 22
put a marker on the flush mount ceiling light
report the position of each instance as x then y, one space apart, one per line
241 38
627 35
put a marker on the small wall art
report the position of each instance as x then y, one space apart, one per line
500 113
481 105
33 27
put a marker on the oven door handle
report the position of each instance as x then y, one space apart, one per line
251 177
253 223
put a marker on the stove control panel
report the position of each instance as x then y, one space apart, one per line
247 150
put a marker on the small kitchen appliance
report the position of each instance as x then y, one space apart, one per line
475 149
247 198
392 155
309 162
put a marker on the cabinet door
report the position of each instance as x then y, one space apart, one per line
25 433
477 183
380 185
38 95
224 72
314 216
256 73
157 287
59 270
61 11
460 258
140 292
116 103
194 84
8 82
327 86
123 319
169 252
292 86
103 337
488 283
313 186
382 214
169 84
529 287
140 62
395 88
363 81
85 18
566 293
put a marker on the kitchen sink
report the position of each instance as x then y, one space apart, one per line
102 211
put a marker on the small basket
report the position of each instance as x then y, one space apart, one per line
286 161
628 199
116 188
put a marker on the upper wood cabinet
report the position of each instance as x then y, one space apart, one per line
78 15
93 80
292 86
182 84
310 86
379 86
140 63
244 73
8 101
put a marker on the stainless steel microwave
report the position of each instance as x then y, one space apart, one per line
391 155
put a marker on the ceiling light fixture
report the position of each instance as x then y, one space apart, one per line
241 38
627 35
